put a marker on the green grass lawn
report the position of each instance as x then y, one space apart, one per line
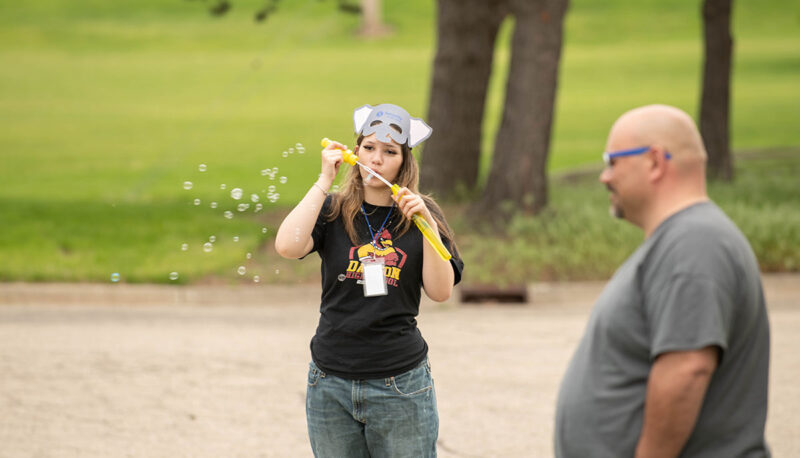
107 108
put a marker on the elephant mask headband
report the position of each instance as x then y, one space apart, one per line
390 122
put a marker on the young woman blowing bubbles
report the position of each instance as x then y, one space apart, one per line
370 390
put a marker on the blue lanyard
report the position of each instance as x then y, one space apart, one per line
369 226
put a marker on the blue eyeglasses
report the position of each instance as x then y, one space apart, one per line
609 156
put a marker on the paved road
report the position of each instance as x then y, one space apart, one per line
118 370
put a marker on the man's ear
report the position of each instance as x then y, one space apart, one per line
659 162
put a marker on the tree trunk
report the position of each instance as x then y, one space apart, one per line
715 101
467 30
371 19
518 178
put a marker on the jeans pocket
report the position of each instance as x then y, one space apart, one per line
314 374
414 382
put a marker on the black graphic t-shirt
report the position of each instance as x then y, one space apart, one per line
369 337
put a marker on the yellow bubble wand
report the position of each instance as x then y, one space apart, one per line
418 219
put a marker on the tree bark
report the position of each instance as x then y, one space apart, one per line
467 30
518 178
371 19
715 100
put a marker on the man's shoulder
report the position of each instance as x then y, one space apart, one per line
699 241
697 227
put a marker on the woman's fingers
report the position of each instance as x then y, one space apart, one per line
335 146
332 159
410 203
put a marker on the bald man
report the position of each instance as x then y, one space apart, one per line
675 357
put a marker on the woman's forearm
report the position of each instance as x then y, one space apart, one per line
437 274
293 239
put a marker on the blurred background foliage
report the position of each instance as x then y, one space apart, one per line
109 107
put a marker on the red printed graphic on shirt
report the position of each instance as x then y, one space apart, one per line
394 258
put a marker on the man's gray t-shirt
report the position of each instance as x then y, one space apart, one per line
694 283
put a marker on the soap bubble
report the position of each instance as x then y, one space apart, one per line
197 201
285 154
184 247
256 279
187 185
222 186
291 150
201 167
277 271
259 207
242 207
207 247
228 214
242 270
173 276
335 188
283 180
263 230
254 198
274 198
236 193
249 255
235 238
212 239
213 205
275 170
115 277
271 188
298 145
264 172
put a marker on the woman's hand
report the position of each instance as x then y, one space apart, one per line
437 274
331 161
410 203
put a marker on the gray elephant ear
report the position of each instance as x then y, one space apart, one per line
360 116
418 132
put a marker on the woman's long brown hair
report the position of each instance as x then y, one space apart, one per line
347 202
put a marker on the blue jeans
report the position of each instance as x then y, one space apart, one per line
388 417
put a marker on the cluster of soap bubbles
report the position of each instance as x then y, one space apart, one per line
297 147
242 201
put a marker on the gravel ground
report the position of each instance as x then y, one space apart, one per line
120 370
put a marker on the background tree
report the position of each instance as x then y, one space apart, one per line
221 7
372 24
462 66
715 99
467 31
518 177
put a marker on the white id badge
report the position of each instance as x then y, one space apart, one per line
374 279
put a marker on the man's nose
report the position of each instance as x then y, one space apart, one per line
605 175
